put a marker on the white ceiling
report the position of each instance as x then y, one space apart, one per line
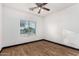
54 7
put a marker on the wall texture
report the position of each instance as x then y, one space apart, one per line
63 27
11 26
53 28
1 26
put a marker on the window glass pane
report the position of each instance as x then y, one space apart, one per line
27 27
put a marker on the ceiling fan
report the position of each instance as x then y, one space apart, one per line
40 6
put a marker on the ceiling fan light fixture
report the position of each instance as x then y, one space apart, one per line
40 6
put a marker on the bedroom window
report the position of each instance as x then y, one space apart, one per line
27 27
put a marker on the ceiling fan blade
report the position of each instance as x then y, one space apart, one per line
39 11
45 8
44 3
40 4
33 8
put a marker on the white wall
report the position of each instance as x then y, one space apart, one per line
1 26
53 28
11 26
71 26
63 27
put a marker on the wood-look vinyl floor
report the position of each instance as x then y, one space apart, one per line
41 48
